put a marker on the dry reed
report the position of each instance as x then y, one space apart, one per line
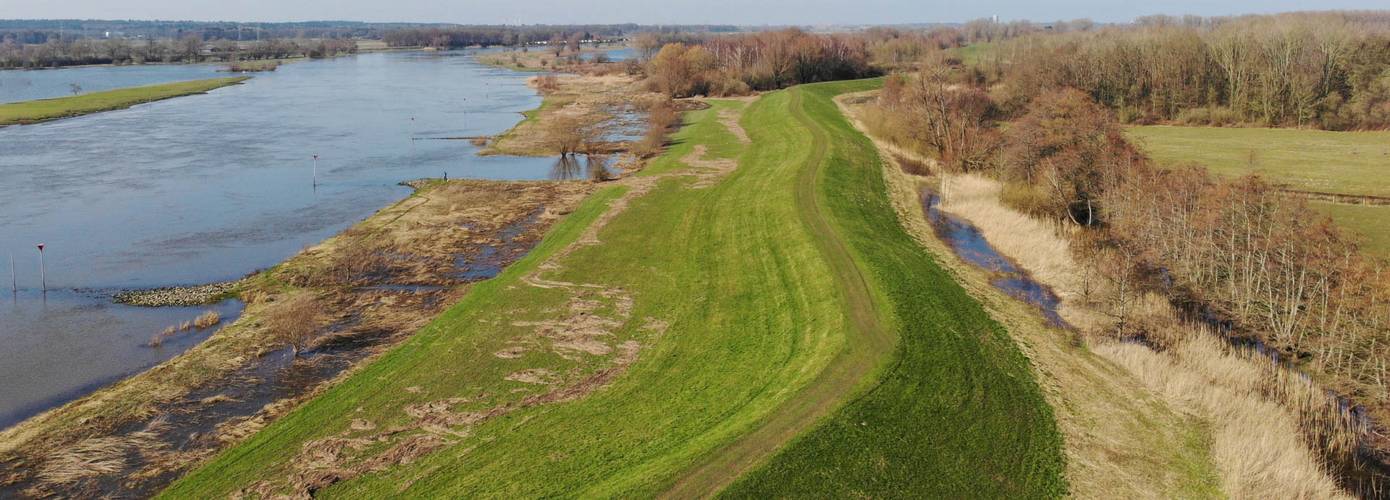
1262 415
207 320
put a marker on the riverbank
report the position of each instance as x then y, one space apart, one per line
366 289
605 113
541 58
42 110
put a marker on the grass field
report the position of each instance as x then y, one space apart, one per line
723 317
27 112
974 53
1356 163
1370 223
958 412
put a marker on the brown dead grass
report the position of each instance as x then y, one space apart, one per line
730 119
1255 442
708 171
572 103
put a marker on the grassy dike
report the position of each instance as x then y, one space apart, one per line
755 308
42 110
958 413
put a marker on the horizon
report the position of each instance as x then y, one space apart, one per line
676 12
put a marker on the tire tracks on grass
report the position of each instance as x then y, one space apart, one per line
842 376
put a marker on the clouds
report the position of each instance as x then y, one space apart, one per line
754 12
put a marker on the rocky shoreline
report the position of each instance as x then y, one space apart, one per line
177 295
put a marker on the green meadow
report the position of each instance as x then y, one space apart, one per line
1355 163
41 110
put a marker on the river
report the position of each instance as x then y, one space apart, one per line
212 187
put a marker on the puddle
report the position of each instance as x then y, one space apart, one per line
970 245
576 167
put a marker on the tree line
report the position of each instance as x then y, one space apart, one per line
189 49
739 63
1237 253
486 36
1328 70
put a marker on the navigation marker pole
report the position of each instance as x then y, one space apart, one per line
316 171
14 280
43 270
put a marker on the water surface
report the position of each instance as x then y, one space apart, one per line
212 187
967 242
24 85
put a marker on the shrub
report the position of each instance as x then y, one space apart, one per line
294 320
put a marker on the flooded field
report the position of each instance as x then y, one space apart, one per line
212 187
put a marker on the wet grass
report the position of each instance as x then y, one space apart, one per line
1355 163
761 304
41 110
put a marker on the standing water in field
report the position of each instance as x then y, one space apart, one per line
970 245
209 188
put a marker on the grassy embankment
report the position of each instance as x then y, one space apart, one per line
726 318
1317 161
41 110
1121 440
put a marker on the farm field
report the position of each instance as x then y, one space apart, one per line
27 112
1355 163
1370 223
714 313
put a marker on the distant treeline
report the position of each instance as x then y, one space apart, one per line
190 49
1329 70
42 30
684 63
469 36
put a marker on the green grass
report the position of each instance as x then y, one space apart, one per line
27 112
974 53
959 413
1369 223
1356 163
768 281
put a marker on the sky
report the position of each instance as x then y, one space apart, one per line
741 12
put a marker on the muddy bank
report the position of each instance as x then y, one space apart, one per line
365 291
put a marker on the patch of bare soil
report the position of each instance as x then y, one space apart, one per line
374 285
729 118
708 171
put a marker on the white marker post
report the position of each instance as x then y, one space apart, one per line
14 279
316 170
43 270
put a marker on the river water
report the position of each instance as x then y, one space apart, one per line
44 84
212 187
